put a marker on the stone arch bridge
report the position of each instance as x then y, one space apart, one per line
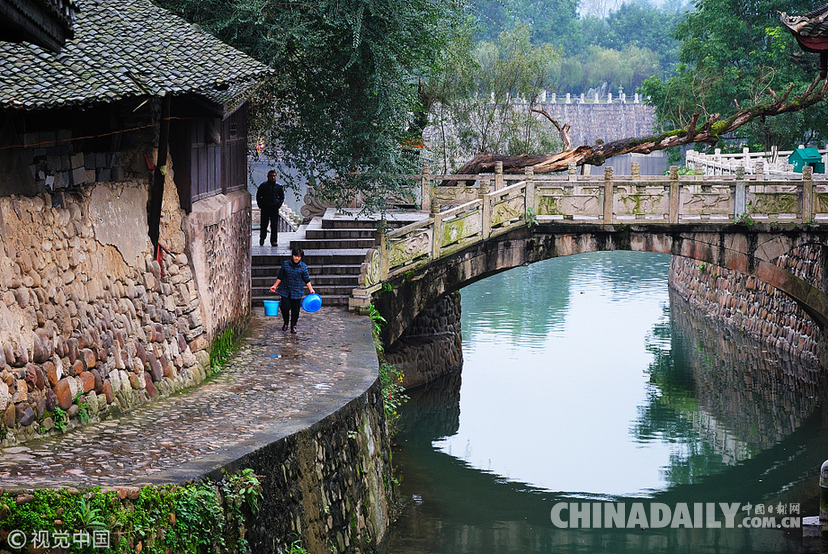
744 224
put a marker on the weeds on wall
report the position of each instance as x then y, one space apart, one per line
197 517
223 349
393 393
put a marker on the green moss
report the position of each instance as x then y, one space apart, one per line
183 518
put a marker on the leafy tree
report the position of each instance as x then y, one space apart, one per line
339 110
552 21
480 101
732 52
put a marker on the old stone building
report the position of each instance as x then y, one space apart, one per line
124 214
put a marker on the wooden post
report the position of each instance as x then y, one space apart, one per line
530 190
675 195
740 200
807 194
425 188
609 195
498 175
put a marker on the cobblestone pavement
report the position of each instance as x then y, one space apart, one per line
275 385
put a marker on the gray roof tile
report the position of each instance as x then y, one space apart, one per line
121 49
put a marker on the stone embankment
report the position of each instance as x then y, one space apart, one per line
304 411
752 306
432 345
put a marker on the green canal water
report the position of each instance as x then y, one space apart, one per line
587 386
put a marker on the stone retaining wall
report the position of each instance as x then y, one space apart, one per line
752 306
90 321
432 345
591 122
329 484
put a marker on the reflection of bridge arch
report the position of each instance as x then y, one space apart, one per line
750 250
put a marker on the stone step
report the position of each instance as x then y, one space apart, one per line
337 269
343 233
334 300
333 244
318 280
317 257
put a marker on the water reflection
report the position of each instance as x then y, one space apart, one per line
584 379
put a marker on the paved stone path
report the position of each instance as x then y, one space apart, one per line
276 384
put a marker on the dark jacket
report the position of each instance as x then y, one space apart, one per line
270 195
293 278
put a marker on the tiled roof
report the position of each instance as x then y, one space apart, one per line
121 49
812 24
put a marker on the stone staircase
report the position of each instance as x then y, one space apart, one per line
335 246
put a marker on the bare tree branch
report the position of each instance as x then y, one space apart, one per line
709 133
563 131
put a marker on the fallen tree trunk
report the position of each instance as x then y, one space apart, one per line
708 133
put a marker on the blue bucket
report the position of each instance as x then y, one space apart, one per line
311 303
271 307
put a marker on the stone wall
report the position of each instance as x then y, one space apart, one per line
591 122
432 345
91 323
329 484
218 234
752 306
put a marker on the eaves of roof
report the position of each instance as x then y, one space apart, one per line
123 49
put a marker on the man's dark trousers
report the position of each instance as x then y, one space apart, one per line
271 216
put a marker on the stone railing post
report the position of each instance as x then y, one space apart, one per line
609 195
635 173
759 170
807 194
675 194
572 171
426 188
436 235
530 190
383 250
498 176
740 200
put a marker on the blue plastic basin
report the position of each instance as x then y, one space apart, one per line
311 303
271 307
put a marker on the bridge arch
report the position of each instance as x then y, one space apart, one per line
751 250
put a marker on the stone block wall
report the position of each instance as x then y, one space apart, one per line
218 234
329 484
750 305
591 122
750 398
432 345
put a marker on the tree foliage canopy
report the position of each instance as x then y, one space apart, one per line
340 106
732 53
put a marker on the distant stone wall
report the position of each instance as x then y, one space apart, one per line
591 122
748 304
432 345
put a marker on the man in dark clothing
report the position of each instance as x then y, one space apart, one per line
270 197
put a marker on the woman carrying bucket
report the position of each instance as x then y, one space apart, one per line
289 284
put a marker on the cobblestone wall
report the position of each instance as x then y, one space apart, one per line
329 484
750 398
218 234
748 304
432 345
90 322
